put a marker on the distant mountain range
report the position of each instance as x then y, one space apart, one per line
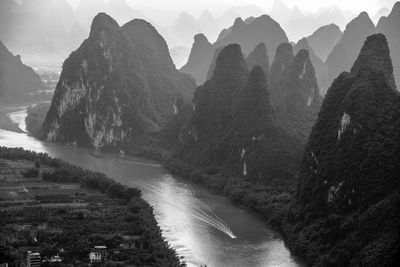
40 28
18 82
248 34
346 50
43 31
324 39
388 26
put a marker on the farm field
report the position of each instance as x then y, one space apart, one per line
57 212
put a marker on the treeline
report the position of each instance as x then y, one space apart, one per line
158 252
35 117
271 201
68 173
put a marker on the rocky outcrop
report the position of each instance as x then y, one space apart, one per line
345 211
213 104
321 71
280 71
259 143
233 125
294 91
199 59
18 82
120 84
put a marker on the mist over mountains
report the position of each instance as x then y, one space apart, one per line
292 114
17 81
54 27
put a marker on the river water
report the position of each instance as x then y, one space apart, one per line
204 228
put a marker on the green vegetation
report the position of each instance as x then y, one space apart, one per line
271 201
232 126
66 210
346 210
118 85
35 118
243 137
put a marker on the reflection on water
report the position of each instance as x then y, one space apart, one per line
18 117
202 227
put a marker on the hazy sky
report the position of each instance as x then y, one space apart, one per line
216 6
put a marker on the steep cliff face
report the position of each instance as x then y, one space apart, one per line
280 72
321 71
119 84
259 143
17 81
212 104
389 27
233 125
294 91
349 180
345 52
199 59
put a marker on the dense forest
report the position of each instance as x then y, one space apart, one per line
345 211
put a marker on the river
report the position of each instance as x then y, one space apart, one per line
204 228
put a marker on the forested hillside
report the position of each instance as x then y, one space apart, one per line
119 85
345 212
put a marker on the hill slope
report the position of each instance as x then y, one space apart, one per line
17 81
118 85
346 209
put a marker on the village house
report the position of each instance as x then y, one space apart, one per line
98 254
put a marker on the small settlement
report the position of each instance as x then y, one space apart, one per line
47 223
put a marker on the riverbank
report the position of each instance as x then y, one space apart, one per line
68 210
5 122
270 202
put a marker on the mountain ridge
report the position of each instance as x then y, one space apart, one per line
339 195
112 92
